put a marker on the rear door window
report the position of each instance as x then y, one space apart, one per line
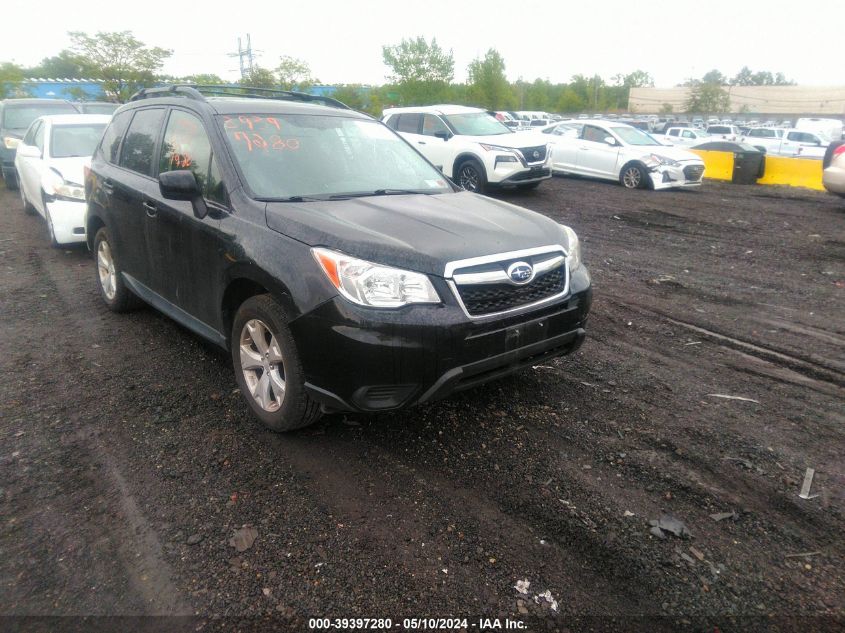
138 149
409 123
110 143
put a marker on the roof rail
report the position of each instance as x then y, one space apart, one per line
201 91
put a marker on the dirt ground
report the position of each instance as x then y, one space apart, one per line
128 460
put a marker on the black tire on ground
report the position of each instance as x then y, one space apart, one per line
115 293
11 181
471 176
27 205
260 335
633 176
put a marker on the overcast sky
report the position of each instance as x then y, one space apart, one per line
552 39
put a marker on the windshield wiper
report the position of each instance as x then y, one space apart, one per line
293 199
380 192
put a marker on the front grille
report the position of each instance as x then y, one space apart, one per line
481 299
693 172
528 153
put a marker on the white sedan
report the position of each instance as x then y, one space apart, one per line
616 151
49 162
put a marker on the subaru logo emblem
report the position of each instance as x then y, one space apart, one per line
520 272
536 154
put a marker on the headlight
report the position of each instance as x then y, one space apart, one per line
496 148
657 159
574 248
11 142
372 285
55 185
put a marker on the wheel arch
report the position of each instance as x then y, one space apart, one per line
247 281
462 158
93 223
636 162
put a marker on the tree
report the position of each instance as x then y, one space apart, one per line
746 77
65 65
416 60
122 61
667 108
636 79
707 98
9 74
488 85
294 73
204 79
260 78
352 95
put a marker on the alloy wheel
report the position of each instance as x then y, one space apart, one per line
105 268
262 365
469 177
632 178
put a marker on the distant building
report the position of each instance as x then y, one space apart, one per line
45 88
794 100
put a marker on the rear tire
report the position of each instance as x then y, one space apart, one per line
268 368
113 289
10 178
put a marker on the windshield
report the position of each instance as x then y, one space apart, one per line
476 124
634 136
311 156
75 140
18 117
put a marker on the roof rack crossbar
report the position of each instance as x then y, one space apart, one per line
200 91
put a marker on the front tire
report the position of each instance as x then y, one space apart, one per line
633 176
28 207
471 176
113 289
268 368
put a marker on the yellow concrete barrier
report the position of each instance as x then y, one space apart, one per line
717 165
796 172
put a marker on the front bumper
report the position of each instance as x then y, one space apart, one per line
376 360
68 219
673 177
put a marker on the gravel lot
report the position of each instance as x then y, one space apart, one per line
128 461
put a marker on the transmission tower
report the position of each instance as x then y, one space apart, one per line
245 56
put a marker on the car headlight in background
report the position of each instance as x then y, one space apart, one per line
574 248
373 285
656 159
56 185
11 142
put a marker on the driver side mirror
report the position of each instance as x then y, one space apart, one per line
29 151
444 135
181 184
610 140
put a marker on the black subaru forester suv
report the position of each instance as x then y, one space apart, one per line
342 270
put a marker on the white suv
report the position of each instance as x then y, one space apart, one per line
472 147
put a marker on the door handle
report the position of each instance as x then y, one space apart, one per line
150 208
421 142
107 186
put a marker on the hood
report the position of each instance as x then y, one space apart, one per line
416 232
71 168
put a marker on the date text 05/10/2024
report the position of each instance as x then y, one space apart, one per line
416 624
